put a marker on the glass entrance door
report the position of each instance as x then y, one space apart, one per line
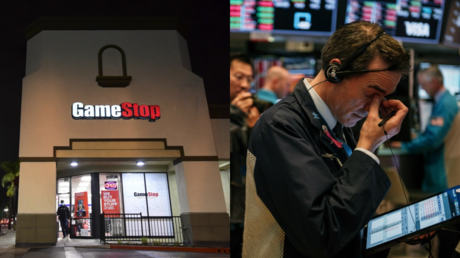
63 193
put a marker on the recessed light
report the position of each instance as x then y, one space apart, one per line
140 163
74 164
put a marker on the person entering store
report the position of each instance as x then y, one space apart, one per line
64 215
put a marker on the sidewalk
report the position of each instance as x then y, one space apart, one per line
7 242
79 248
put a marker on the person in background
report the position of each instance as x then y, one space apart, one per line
64 215
310 188
277 85
431 145
245 109
243 116
431 142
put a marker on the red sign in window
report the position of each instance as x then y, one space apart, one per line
111 185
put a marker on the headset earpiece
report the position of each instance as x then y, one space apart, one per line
331 73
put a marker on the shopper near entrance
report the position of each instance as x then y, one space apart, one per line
310 187
276 86
64 215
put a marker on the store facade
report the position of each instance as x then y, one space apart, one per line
114 121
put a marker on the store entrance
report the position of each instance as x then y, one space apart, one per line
76 193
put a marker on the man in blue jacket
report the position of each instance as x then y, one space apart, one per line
276 86
431 142
310 188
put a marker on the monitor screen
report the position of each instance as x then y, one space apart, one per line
418 216
409 21
451 74
452 29
314 17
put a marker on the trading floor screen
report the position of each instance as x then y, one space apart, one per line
417 216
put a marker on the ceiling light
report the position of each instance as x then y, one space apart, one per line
74 164
140 163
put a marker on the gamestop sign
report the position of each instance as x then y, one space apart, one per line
125 110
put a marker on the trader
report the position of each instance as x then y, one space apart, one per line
310 187
431 142
276 86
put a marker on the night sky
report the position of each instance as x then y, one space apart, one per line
207 34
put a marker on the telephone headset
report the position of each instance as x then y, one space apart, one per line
335 73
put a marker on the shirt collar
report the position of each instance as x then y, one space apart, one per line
438 95
323 109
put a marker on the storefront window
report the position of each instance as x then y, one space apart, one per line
111 192
81 206
63 185
158 194
133 193
147 193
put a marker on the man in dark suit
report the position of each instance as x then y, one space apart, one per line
310 187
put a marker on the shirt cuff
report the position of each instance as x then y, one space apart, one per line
372 155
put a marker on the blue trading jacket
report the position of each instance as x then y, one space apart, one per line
431 143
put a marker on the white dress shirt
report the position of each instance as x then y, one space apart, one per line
325 112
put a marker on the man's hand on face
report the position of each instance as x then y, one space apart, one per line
243 101
371 135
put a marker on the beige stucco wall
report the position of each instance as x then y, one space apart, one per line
33 185
174 194
62 67
220 129
199 187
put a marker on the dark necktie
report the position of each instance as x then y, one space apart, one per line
338 131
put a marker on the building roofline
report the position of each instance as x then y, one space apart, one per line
104 23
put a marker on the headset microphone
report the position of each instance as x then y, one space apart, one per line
334 72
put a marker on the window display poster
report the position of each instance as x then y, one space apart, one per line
134 193
158 194
110 202
81 205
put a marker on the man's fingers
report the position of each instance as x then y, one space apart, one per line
375 105
400 109
241 96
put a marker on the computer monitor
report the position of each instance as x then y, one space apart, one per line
451 31
408 21
289 17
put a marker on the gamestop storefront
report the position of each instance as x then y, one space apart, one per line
145 194
114 121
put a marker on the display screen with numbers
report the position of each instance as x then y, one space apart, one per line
417 21
427 215
301 17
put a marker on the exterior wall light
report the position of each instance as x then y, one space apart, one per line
140 163
74 164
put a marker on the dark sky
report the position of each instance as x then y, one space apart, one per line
207 34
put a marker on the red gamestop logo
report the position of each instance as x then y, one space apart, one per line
125 110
